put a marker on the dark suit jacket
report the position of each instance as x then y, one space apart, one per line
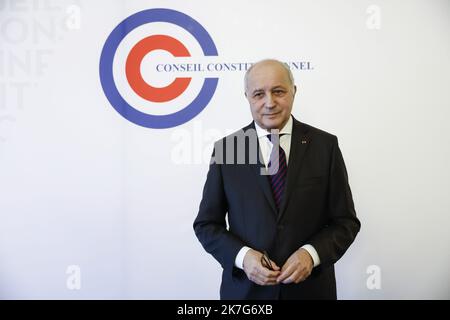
317 209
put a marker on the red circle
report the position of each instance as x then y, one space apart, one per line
133 68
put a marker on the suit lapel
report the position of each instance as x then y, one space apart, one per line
300 141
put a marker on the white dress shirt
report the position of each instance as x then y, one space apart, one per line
266 146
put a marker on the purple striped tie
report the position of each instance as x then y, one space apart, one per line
277 174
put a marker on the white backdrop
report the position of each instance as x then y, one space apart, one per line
82 186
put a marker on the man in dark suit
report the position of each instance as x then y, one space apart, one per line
285 189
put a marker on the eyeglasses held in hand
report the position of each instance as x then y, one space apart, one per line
265 261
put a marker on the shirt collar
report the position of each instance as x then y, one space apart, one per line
287 129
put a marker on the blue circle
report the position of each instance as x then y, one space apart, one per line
106 68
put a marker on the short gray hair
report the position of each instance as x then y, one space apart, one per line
283 64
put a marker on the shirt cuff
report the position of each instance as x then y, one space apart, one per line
313 253
239 261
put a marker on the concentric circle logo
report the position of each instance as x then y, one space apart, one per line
138 83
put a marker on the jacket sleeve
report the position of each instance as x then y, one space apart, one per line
210 225
342 224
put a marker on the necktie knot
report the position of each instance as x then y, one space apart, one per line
274 136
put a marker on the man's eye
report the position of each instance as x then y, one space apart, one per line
258 95
279 92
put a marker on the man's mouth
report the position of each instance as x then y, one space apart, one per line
271 114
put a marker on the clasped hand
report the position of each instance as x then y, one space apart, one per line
297 268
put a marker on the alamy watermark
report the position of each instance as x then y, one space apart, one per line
240 147
373 21
373 281
73 281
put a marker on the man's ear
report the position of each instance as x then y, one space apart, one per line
245 94
295 90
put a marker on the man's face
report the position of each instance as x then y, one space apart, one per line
270 94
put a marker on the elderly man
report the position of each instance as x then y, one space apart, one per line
290 215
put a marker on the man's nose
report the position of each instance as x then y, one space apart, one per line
270 102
